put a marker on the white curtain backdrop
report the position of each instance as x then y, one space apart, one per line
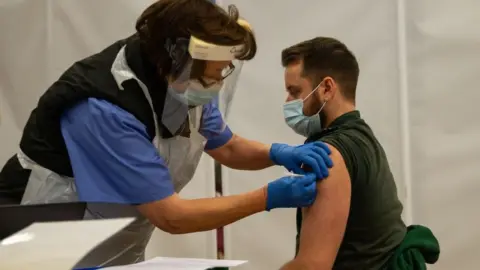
419 63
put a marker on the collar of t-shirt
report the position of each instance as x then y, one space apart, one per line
338 122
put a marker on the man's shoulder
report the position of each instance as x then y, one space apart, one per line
355 134
341 138
355 143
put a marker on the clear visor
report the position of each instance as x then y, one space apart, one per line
202 82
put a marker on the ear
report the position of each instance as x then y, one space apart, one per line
330 88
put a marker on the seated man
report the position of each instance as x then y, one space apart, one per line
355 222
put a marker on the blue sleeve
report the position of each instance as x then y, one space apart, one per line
112 156
213 127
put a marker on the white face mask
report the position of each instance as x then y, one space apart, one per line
300 123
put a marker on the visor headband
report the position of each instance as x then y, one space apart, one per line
201 50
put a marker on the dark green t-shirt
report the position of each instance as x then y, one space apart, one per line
374 227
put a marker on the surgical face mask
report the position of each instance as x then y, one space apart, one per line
196 94
300 123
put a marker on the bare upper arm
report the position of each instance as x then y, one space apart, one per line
325 221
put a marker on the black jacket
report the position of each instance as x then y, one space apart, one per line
42 140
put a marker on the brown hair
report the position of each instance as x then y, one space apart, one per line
168 20
325 56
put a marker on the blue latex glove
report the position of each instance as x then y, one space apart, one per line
314 155
292 191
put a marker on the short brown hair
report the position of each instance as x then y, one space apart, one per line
325 56
167 20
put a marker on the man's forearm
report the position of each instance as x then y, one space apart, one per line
211 213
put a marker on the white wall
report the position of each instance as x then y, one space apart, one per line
419 64
444 66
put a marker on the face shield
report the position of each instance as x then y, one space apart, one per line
208 75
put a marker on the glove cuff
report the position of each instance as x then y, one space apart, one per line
268 195
273 152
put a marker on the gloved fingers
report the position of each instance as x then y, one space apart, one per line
322 146
323 155
310 201
313 164
296 169
311 193
307 179
321 164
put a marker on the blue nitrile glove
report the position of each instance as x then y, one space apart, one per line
292 191
314 155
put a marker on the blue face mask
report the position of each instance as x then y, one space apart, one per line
196 94
198 98
300 123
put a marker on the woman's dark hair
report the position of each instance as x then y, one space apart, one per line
170 20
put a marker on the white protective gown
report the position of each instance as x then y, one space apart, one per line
181 155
